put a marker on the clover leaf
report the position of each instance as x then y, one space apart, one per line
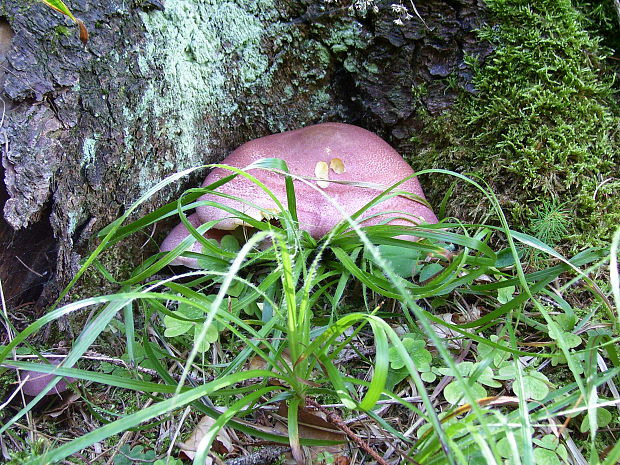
128 456
535 384
416 349
475 374
603 418
210 337
454 392
179 323
570 339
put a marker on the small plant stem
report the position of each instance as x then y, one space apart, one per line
336 420
177 431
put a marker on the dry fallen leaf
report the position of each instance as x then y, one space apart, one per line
313 426
448 334
321 171
337 165
342 460
258 363
67 400
221 445
83 31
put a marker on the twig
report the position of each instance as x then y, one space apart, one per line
336 420
384 402
265 456
28 268
17 390
612 386
601 184
177 431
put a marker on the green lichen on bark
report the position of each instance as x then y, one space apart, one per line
204 51
542 125
217 65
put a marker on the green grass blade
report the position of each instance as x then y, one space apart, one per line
102 378
276 164
381 366
114 227
614 277
202 451
130 333
82 344
59 6
161 213
293 429
130 421
217 302
337 381
373 282
614 455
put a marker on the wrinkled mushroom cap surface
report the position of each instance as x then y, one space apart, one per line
365 158
180 232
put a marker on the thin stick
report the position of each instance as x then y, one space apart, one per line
28 268
336 420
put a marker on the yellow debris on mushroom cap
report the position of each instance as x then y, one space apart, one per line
321 171
337 165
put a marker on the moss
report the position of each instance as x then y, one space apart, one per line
117 260
35 450
63 31
542 125
602 20
344 36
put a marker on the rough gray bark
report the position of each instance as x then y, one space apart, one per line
162 87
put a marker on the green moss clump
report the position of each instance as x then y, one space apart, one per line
602 20
63 31
543 125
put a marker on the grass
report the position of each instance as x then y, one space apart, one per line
461 340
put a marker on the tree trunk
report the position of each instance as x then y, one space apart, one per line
163 87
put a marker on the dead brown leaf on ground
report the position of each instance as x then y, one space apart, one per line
222 444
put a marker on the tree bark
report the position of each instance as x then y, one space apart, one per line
165 86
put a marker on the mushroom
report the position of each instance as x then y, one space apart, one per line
328 151
323 152
180 232
36 382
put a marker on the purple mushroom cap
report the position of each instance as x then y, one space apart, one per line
324 152
180 232
36 381
328 151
